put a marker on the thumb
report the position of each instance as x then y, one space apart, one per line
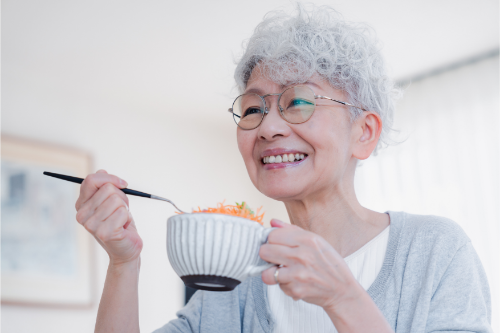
279 224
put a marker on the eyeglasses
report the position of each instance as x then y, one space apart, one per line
296 105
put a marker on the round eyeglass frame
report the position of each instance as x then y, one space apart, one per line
266 109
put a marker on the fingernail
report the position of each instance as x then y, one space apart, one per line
278 222
123 183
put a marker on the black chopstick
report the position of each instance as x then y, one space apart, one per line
80 180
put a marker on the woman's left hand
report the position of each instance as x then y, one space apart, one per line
311 268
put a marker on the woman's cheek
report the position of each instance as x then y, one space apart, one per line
246 145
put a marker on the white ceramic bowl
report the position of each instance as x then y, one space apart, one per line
215 251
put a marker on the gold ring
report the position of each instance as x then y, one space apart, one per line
276 275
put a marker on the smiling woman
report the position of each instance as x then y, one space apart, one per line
315 100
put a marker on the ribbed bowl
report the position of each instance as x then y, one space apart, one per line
215 251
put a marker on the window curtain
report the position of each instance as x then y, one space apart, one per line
447 160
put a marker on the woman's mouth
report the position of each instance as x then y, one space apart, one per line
272 162
284 158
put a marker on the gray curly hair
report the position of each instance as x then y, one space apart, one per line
290 48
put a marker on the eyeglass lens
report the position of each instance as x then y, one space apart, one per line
296 106
248 111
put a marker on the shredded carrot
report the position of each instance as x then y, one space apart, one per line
240 210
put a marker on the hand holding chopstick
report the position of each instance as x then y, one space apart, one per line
124 190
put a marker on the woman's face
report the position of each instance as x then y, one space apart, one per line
326 141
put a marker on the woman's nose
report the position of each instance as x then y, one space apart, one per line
273 126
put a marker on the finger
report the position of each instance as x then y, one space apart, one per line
104 211
109 206
268 276
88 208
277 254
119 220
93 182
101 171
130 222
289 236
279 224
112 228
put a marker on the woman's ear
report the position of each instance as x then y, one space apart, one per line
366 132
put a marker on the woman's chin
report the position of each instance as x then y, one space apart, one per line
281 193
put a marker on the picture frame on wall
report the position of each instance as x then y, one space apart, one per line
46 256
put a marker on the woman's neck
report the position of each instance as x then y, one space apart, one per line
338 217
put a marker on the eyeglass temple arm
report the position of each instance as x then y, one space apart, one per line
230 110
344 103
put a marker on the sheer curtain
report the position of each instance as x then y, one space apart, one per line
448 162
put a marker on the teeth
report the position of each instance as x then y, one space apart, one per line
283 158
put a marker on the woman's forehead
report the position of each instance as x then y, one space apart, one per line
261 84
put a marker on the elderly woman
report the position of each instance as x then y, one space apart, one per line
315 100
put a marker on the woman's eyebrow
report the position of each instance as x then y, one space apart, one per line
313 84
254 91
282 87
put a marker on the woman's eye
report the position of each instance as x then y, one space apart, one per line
250 111
298 102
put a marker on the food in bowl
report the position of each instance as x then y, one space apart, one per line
216 248
240 210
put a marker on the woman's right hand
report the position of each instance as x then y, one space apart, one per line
102 208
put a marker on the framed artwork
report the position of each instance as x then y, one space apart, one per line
46 255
